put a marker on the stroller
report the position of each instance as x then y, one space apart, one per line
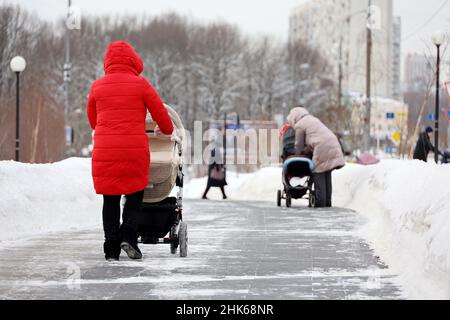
295 166
445 157
161 221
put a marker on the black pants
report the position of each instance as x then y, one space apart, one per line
111 217
323 188
222 188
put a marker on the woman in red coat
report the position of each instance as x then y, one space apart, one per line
117 110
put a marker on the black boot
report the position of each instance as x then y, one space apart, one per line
129 245
223 193
112 250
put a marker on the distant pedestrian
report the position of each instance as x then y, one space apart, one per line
424 145
216 174
312 134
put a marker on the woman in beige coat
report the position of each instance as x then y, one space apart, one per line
311 133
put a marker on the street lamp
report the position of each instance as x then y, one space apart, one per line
18 65
438 39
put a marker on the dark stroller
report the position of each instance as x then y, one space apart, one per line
295 166
446 157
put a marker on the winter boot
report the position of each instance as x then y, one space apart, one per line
112 250
130 246
132 250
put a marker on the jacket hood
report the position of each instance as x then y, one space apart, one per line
121 57
296 115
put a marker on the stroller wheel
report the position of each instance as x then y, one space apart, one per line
312 200
279 198
288 200
173 240
183 239
173 248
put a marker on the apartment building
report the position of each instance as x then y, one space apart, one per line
338 30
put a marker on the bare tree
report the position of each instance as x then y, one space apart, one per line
203 70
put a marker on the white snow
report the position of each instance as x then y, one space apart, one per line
259 186
406 204
408 209
42 198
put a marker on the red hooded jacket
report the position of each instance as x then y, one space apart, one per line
117 110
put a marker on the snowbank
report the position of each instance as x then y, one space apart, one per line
41 198
408 209
407 205
258 186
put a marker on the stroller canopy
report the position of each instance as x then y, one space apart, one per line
298 167
165 159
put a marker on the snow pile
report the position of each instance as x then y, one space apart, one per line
257 186
407 205
408 209
41 198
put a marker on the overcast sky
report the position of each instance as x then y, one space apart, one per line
254 16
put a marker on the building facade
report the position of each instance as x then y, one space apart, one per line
338 29
389 121
417 72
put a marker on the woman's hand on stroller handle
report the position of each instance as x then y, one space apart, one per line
173 137
157 131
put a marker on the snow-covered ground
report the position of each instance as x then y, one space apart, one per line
406 204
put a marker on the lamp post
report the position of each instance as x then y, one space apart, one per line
367 138
67 80
370 25
438 39
18 65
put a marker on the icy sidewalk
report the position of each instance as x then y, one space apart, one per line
238 250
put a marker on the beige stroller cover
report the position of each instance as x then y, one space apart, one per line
165 159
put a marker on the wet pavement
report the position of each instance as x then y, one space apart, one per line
237 250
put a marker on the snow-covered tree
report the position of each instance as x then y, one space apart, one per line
202 70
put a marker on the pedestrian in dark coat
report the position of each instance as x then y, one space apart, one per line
117 109
216 174
424 145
